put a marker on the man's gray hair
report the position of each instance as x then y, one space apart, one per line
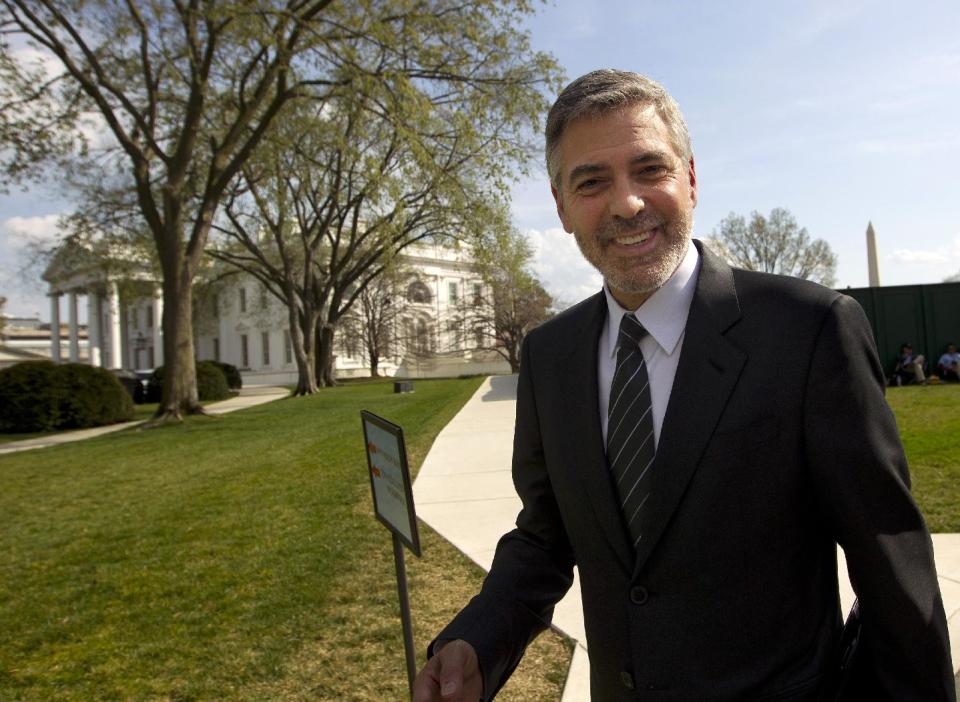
606 90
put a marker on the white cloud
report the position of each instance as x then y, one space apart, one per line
907 147
18 232
939 69
919 257
33 59
560 266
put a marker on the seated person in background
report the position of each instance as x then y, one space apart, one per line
949 364
909 367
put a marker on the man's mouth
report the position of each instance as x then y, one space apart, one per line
634 239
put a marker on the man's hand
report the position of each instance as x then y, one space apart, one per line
452 675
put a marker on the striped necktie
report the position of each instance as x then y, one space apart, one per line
630 442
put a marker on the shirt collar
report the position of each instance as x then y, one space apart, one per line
664 314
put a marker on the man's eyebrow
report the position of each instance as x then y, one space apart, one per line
585 169
651 156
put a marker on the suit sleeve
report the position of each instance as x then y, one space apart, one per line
533 565
861 477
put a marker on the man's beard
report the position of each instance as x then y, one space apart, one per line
656 269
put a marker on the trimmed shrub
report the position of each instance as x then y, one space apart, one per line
90 397
28 397
231 373
211 382
42 396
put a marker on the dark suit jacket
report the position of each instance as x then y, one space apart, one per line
777 444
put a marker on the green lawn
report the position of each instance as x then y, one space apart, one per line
140 413
928 418
230 558
237 558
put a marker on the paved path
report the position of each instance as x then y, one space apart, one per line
248 397
464 490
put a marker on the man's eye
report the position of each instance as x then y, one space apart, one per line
588 184
653 170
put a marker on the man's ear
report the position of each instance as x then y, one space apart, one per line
561 213
693 182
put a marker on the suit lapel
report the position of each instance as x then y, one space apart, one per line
707 373
579 393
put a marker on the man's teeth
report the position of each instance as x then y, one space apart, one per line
634 239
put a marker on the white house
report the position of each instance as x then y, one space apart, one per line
243 325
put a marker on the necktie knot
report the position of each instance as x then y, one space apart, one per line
631 332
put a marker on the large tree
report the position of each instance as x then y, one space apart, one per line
774 244
511 302
186 90
348 182
189 90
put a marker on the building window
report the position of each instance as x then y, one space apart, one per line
150 357
265 346
243 299
350 339
287 347
477 294
418 292
453 292
216 306
455 328
244 352
150 317
419 335
216 349
479 336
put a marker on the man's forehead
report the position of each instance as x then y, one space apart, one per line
635 132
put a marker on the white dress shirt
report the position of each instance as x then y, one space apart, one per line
664 316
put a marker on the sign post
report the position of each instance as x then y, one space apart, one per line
393 506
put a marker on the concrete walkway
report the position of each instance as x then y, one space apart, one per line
465 491
248 397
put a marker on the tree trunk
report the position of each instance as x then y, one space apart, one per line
179 364
514 361
301 338
374 363
325 376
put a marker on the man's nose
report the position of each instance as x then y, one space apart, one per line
627 200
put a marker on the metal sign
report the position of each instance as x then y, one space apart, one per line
390 478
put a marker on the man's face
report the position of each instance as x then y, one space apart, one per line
627 197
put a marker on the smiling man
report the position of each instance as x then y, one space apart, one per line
697 440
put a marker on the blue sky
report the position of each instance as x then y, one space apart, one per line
842 112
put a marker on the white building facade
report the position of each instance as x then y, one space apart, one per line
242 324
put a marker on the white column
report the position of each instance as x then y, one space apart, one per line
55 327
74 327
113 325
158 327
93 327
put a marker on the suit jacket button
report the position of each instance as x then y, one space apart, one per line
638 595
627 680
